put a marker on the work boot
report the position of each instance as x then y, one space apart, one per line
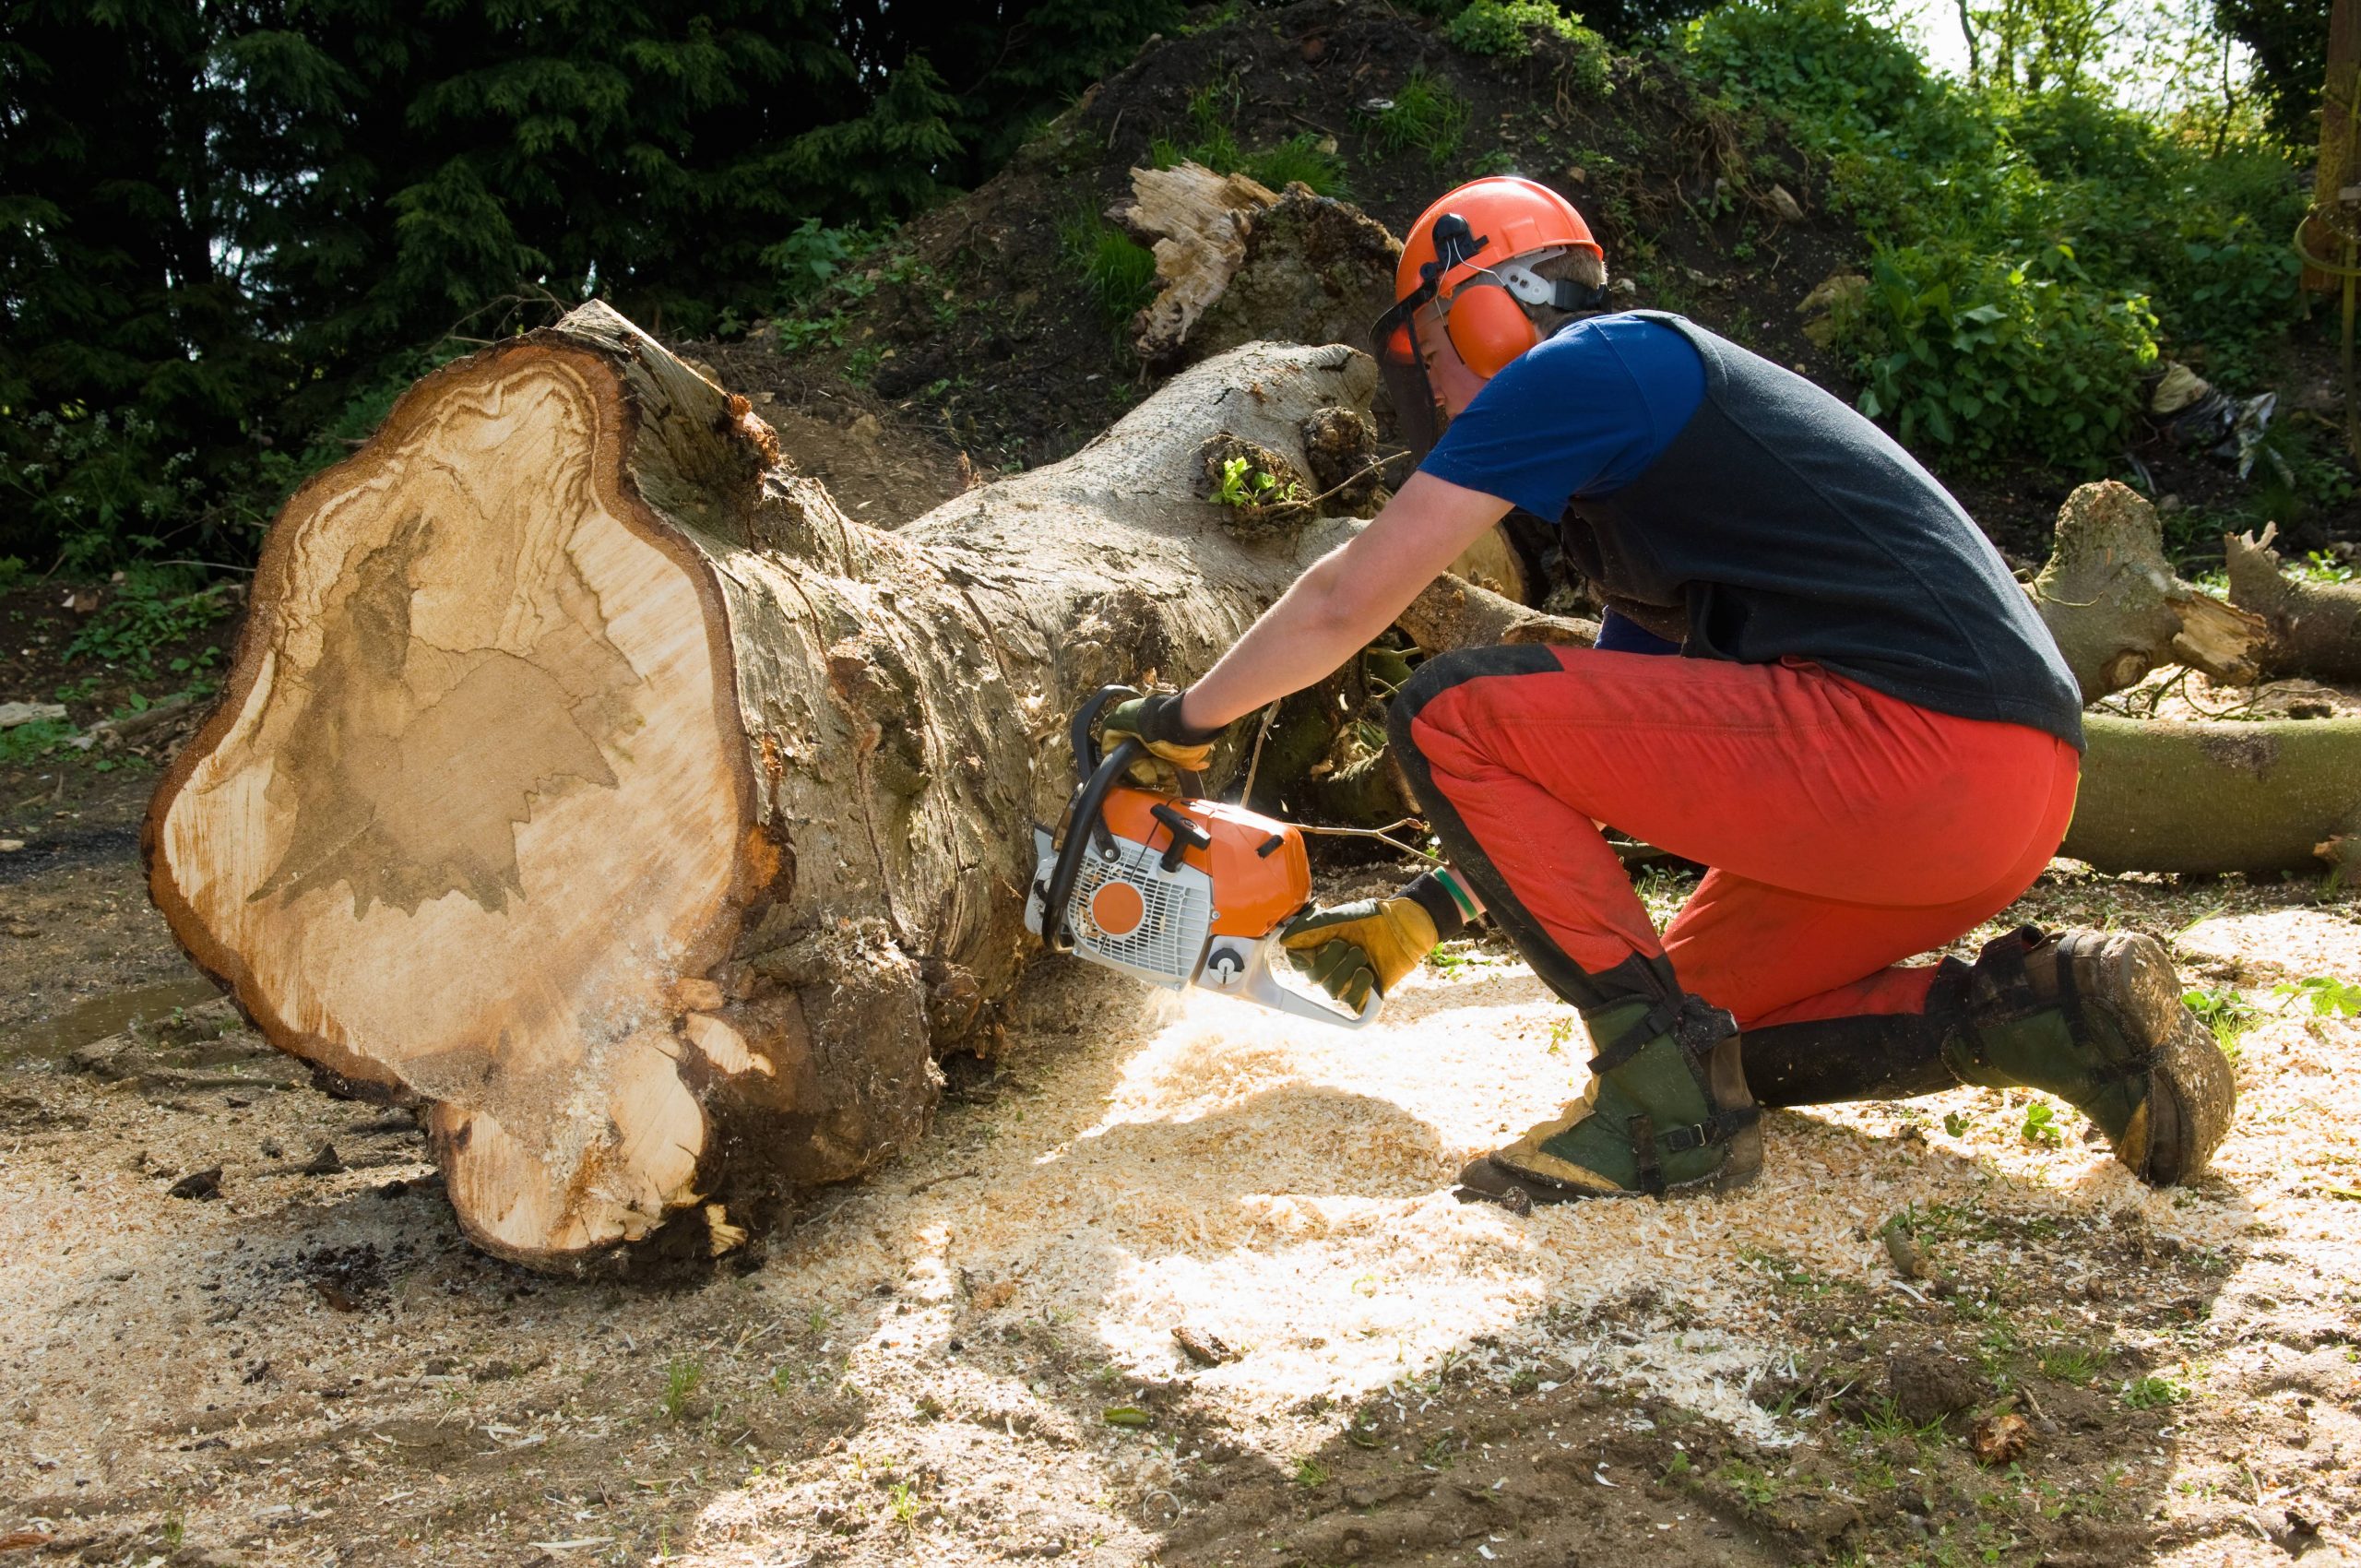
1666 1110
2095 1019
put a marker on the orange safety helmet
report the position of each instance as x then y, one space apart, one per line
1470 256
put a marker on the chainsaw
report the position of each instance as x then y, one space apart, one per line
1178 890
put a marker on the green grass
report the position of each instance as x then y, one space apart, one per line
1310 1472
1120 270
2076 1364
1424 116
681 1380
1212 141
1308 158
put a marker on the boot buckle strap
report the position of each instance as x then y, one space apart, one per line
1612 1054
1716 1128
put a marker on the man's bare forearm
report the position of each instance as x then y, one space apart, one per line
1345 601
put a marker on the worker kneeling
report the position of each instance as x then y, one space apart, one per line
1868 737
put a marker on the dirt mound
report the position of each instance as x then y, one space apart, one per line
978 331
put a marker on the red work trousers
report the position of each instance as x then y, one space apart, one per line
1845 830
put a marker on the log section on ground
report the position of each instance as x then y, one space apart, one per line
586 779
2315 627
2118 610
2284 795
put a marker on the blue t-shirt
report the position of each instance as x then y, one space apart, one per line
1582 415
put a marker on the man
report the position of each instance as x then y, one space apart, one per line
1871 740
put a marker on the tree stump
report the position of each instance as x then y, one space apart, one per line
586 779
2118 610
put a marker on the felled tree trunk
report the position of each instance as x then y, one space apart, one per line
2315 627
586 779
2118 610
2217 797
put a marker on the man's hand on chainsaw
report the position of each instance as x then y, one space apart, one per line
1155 721
1355 948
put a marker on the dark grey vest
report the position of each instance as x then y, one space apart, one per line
1787 525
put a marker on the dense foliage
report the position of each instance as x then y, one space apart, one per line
2031 253
229 234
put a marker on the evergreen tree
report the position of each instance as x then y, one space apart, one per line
226 228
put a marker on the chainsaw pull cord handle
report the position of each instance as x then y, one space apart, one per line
1087 822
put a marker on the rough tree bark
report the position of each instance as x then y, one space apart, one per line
2315 627
2118 610
586 779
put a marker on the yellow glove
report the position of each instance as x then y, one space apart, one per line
1154 722
1355 947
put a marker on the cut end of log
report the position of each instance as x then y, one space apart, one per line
483 596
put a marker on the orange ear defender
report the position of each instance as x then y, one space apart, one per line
1489 327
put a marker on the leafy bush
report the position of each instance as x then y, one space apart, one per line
1506 27
1984 358
2031 253
153 607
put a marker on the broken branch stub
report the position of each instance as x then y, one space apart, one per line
2315 627
1237 263
2111 600
587 779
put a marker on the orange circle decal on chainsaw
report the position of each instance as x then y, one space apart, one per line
1117 908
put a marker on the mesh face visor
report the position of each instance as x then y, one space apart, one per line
1395 342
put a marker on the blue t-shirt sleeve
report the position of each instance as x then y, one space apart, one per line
1581 415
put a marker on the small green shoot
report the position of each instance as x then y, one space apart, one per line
1310 1473
1246 488
2041 1125
681 1380
2328 996
2153 1392
1956 1122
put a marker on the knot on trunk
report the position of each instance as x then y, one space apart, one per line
1259 491
1340 444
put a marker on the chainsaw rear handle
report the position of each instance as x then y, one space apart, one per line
1085 822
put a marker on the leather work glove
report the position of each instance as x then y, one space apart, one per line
1354 948
1155 721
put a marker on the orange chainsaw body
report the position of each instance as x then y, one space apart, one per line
1260 873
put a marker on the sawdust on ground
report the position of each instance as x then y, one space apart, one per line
975 1355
